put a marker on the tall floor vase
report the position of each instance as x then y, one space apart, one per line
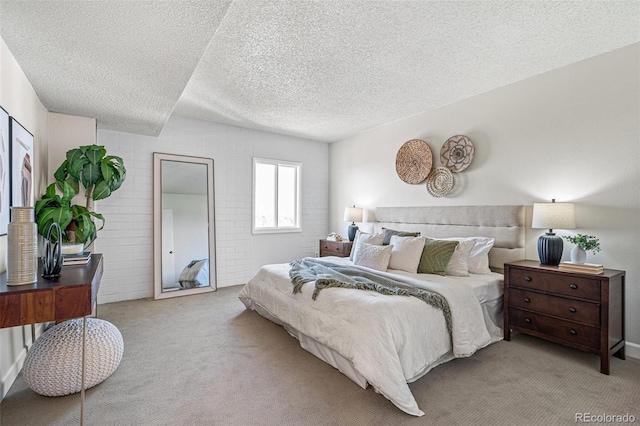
22 247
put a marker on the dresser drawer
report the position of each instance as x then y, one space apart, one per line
566 331
573 310
567 285
332 247
335 248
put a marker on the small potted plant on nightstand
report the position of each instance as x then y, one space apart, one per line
584 243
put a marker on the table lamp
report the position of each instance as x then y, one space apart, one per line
552 216
353 215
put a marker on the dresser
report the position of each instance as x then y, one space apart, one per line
335 248
578 310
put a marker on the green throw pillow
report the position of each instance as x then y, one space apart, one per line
435 256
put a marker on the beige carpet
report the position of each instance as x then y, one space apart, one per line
205 360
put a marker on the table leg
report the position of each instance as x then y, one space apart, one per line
84 357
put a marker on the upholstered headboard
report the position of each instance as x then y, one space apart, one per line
503 223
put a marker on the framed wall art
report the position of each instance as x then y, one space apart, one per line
5 192
21 166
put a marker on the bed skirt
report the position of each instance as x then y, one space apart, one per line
491 310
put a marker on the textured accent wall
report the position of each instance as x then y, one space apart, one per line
127 239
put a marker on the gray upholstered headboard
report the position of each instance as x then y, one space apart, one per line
503 223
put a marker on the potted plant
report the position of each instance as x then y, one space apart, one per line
99 174
583 244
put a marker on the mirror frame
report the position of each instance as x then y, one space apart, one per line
158 158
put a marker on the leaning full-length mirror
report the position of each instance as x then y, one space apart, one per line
183 225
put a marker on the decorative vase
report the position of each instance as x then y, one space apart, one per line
22 247
578 255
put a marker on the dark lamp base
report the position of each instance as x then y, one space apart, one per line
550 249
352 231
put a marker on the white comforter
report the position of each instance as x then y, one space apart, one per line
391 340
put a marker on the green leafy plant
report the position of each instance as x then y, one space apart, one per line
585 242
98 173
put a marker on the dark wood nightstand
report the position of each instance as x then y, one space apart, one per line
335 248
579 310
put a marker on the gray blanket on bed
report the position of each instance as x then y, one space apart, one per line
331 274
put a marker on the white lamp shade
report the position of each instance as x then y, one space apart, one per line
352 214
553 216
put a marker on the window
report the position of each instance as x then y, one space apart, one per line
276 196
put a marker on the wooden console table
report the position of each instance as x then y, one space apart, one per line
71 295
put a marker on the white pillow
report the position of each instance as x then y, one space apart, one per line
373 256
458 265
478 261
364 237
479 257
406 253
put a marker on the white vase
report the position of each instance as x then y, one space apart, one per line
578 255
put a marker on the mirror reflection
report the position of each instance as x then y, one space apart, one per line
184 213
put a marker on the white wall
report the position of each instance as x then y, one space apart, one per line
572 134
19 99
68 132
190 228
127 240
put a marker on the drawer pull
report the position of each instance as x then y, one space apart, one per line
527 278
573 332
527 320
527 300
573 286
572 310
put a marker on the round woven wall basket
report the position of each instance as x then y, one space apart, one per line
414 161
456 153
440 182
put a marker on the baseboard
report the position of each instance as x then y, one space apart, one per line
632 350
18 362
12 374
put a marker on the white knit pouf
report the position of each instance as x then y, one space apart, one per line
53 366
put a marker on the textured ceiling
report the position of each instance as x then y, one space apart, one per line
323 70
125 63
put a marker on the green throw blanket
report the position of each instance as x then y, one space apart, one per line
331 274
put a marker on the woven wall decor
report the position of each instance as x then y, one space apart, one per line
414 161
456 153
440 182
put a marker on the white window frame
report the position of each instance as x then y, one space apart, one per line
277 229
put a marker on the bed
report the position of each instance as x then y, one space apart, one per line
390 341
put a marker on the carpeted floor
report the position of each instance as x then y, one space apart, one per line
205 360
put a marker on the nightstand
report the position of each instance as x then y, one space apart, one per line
335 248
578 310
